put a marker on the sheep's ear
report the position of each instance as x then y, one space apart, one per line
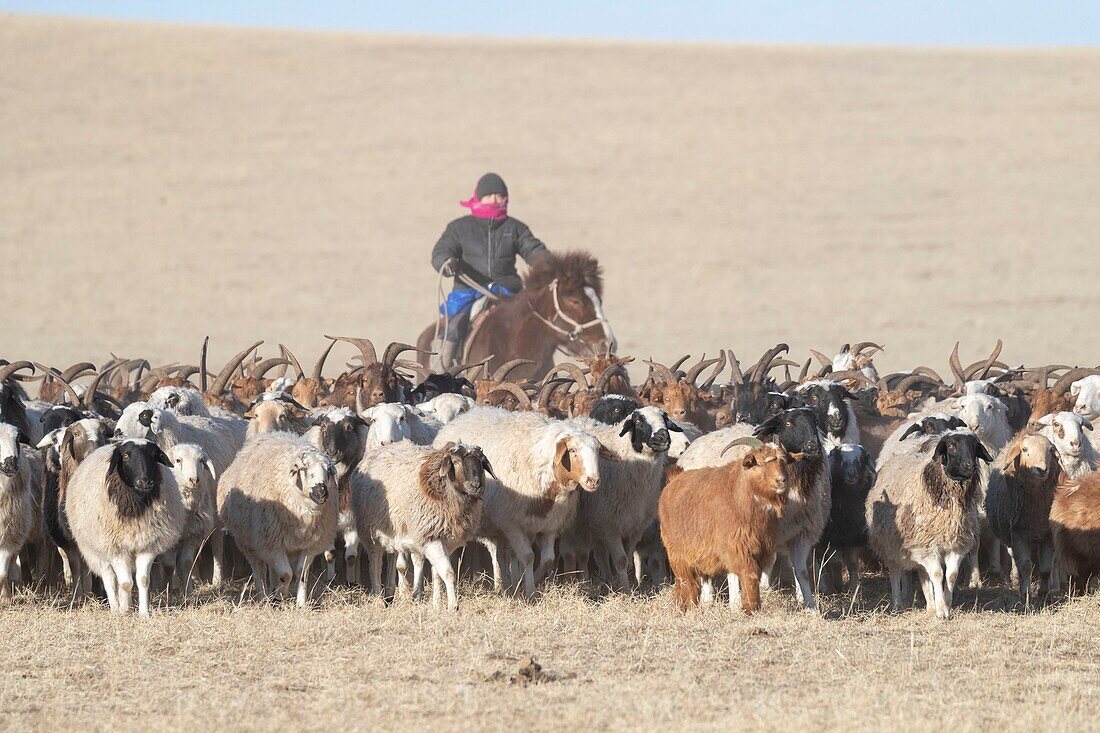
982 452
1086 424
161 457
628 425
67 440
562 455
768 428
749 460
1075 389
607 455
911 430
1012 460
672 425
210 467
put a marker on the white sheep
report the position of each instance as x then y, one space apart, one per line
922 514
1087 394
1076 451
447 406
540 463
986 417
277 499
196 477
391 422
180 400
124 510
411 498
18 501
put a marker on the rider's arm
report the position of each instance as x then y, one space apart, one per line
448 247
529 247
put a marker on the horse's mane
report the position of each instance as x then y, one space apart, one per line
574 271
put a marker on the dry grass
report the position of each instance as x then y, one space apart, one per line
610 663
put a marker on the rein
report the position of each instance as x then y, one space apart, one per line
575 333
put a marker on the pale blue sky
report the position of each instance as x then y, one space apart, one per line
931 22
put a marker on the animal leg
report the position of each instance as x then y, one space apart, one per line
494 558
934 570
895 589
301 575
1046 565
951 563
351 556
750 591
125 576
706 591
1021 554
110 587
143 563
734 583
217 553
186 567
546 557
418 575
330 564
768 576
524 556
376 555
851 561
280 564
975 571
442 569
6 558
800 556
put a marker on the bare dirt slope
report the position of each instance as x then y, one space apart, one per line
161 183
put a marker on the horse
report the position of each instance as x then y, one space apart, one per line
560 307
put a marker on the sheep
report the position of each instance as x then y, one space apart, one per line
124 510
391 422
342 435
1086 392
446 407
1075 529
852 477
196 477
540 462
271 412
923 514
1076 451
986 417
724 520
180 400
274 499
411 498
437 385
810 498
613 408
18 501
909 435
830 401
1017 503
612 520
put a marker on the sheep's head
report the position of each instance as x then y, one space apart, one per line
189 464
342 435
852 467
389 423
134 462
446 407
273 413
1033 453
180 400
648 429
796 430
82 437
934 424
768 469
1086 392
827 400
12 440
981 413
137 421
1066 431
958 452
577 462
313 475
464 467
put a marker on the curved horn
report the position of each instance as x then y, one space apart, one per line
515 391
735 365
202 365
227 371
825 361
547 392
905 384
415 367
956 368
930 373
1042 374
78 370
696 370
982 367
571 369
8 370
394 350
1070 377
456 370
186 372
320 365
93 388
863 345
502 372
765 364
851 374
289 356
805 370
73 396
142 365
664 372
718 370
267 365
749 441
605 377
366 348
680 362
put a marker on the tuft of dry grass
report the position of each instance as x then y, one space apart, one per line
570 659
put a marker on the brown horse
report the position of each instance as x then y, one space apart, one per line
560 307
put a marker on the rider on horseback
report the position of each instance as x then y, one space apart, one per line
482 247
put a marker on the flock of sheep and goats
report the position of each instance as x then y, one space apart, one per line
127 475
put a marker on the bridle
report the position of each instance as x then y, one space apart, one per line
574 333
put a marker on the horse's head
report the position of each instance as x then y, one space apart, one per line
566 291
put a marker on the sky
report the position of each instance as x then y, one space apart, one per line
930 22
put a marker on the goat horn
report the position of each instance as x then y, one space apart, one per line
320 365
202 365
696 370
394 350
142 365
366 348
956 368
851 374
928 372
267 365
187 371
863 345
572 370
289 355
664 372
905 384
765 364
57 375
982 367
502 372
680 362
753 443
821 357
90 393
414 366
805 370
515 391
456 370
1070 377
547 392
1042 374
605 377
8 370
718 370
735 365
227 371
78 370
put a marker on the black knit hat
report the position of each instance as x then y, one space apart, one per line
490 183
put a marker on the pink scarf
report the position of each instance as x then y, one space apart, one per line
497 212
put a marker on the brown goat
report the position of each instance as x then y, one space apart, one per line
724 520
373 383
1075 529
